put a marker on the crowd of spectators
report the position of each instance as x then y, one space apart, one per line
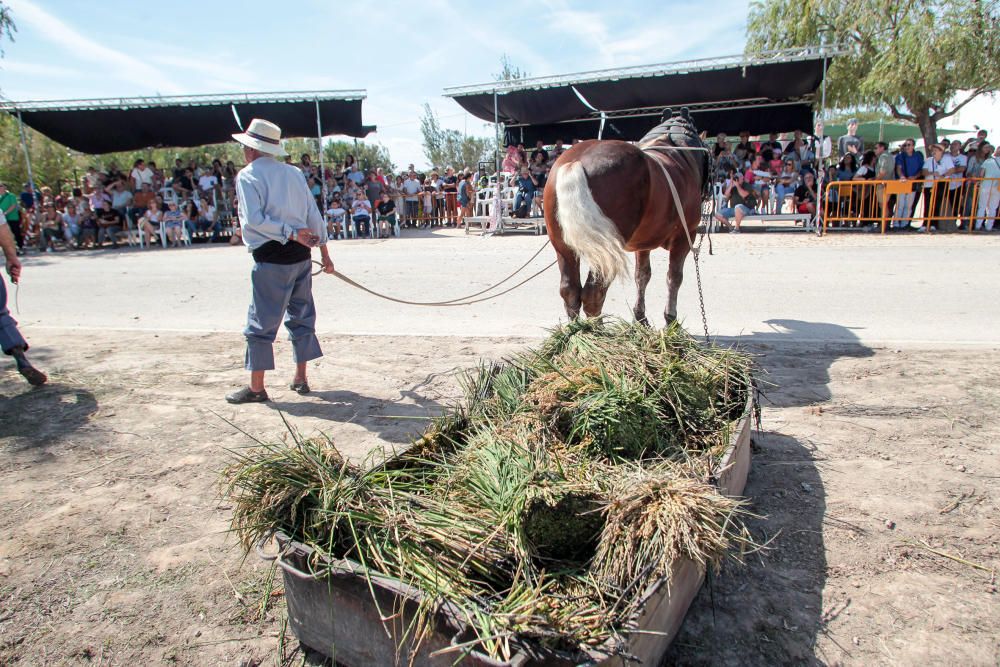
193 201
766 176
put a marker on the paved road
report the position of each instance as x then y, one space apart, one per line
915 290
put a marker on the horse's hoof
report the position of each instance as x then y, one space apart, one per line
642 320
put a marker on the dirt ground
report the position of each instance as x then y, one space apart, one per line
875 476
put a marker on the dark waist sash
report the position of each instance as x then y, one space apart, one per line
274 252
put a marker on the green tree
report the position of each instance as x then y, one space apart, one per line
449 148
509 71
7 26
923 60
368 155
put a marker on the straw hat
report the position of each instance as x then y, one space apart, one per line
262 135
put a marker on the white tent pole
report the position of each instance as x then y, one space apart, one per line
27 155
322 171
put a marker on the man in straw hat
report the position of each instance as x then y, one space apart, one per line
280 225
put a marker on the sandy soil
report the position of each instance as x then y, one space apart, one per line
875 471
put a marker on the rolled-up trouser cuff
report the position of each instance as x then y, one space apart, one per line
259 355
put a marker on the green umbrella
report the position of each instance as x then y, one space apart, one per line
876 130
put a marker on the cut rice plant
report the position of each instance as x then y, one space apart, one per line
568 480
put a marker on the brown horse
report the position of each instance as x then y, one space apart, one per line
604 198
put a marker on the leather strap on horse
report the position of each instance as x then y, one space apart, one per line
680 209
461 301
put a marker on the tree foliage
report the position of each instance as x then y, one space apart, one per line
509 71
368 155
449 148
923 60
7 26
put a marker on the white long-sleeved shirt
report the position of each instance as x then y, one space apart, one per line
274 201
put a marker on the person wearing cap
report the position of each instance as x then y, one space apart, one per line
851 142
11 341
935 171
280 225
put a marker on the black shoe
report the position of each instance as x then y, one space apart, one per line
299 387
247 395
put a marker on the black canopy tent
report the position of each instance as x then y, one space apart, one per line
130 123
772 92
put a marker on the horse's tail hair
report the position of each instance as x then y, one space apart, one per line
585 228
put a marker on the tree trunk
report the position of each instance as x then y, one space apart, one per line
928 128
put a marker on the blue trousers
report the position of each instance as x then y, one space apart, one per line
10 337
281 292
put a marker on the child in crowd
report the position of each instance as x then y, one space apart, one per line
387 217
173 219
335 216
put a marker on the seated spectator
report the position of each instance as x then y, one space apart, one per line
539 169
159 179
208 182
149 223
743 147
173 220
725 160
110 223
183 184
207 219
742 202
121 198
335 216
71 225
88 225
540 150
804 198
51 228
788 181
758 177
527 186
847 167
141 201
386 217
140 175
380 175
361 214
557 150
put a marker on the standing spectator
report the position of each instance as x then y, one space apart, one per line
12 216
110 223
989 192
540 150
909 163
885 170
411 190
449 185
373 189
956 176
511 161
91 180
975 142
935 171
866 194
465 196
140 175
387 223
557 150
380 175
428 188
850 142
974 172
121 198
159 180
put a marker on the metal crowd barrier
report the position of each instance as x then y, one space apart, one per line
960 203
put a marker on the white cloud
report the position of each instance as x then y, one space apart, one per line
116 63
39 70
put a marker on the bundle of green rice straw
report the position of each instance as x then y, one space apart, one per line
566 482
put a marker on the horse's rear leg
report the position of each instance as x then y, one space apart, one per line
642 275
569 286
675 276
594 294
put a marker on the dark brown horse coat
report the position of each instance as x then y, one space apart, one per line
606 198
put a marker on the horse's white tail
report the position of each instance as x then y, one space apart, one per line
585 229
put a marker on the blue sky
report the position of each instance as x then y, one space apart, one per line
402 53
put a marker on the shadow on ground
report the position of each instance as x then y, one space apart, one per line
393 420
37 416
770 611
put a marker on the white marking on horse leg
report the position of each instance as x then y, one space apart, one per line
585 228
